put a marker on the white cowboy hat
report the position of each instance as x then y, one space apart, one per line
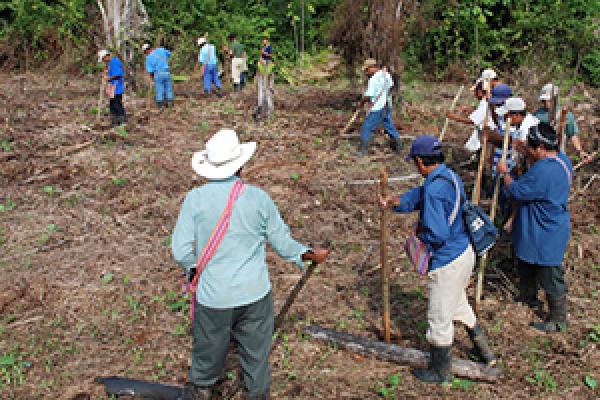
224 155
201 41
145 46
102 53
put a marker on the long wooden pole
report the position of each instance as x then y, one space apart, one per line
476 195
484 258
101 94
385 275
441 138
562 137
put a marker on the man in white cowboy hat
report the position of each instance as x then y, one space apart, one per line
157 67
114 73
233 296
549 112
378 95
207 58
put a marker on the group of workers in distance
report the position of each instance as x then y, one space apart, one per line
158 72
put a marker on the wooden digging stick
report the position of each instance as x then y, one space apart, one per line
385 275
484 258
582 163
441 138
482 156
349 124
562 137
101 96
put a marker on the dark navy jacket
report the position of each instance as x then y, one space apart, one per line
435 201
542 227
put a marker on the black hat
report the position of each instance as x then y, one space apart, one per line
542 133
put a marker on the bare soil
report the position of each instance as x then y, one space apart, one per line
89 287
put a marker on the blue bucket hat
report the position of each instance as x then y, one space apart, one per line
500 93
424 145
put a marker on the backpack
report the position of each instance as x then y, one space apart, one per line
481 230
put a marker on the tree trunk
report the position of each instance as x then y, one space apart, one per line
400 355
302 27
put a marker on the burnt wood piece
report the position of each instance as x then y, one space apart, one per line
400 355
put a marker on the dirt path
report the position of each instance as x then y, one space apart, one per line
89 287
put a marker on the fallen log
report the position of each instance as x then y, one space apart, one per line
404 356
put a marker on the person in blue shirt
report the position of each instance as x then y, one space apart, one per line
207 58
157 67
541 228
114 74
233 298
452 256
266 52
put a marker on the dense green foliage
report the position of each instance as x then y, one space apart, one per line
439 34
507 33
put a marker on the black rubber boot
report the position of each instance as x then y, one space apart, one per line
195 392
481 349
170 103
122 120
557 316
439 367
219 93
114 120
160 104
363 149
396 145
528 290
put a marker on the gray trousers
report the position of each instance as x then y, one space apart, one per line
251 329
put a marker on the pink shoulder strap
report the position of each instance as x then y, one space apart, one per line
215 239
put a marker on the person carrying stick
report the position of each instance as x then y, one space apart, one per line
115 86
452 256
542 224
221 232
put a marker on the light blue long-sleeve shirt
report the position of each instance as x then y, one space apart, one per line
237 274
158 60
208 55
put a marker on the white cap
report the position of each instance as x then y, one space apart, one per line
511 104
549 91
102 53
489 74
145 46
201 41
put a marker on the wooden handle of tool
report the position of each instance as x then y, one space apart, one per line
482 156
385 276
293 294
562 139
484 258
349 124
441 138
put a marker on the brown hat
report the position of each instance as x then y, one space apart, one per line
369 62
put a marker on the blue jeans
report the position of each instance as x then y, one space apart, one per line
163 86
372 122
211 75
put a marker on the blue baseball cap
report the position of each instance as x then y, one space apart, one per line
424 145
500 93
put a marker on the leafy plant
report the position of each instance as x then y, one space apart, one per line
119 181
389 389
107 277
12 369
8 205
590 382
5 145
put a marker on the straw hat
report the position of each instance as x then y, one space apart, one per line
224 155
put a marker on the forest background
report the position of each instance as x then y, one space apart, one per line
433 39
